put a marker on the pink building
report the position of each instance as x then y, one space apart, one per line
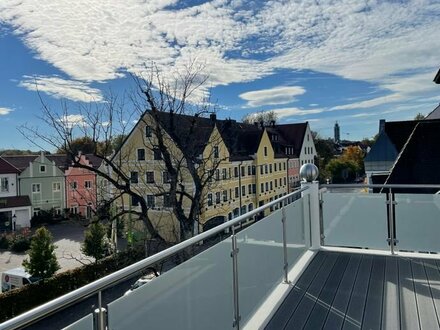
81 187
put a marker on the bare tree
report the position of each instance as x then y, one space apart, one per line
265 117
183 127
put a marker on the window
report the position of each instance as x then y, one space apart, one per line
267 186
276 183
149 176
88 184
36 187
225 195
270 168
217 197
157 154
285 181
42 168
217 175
243 190
134 177
73 185
281 182
253 169
141 154
249 170
261 170
216 152
249 189
254 188
243 170
224 177
56 186
262 187
265 151
148 131
166 177
265 169
229 171
271 186
74 209
209 199
166 200
308 138
4 185
134 201
284 166
237 192
151 201
236 172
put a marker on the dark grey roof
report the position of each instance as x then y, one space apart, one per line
288 135
437 77
21 162
14 201
434 114
6 167
382 150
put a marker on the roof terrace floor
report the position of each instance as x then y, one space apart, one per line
358 291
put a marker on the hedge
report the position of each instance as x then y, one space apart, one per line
18 301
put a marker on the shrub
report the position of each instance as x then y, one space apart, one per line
21 300
20 243
43 217
5 241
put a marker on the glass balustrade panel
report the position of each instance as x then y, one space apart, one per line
418 222
355 220
86 323
196 294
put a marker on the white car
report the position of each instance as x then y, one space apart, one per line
143 280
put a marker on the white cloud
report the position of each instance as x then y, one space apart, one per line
370 103
5 111
61 88
384 43
272 96
282 113
73 120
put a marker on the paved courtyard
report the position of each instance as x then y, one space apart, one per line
68 237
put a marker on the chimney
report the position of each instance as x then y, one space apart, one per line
213 117
381 125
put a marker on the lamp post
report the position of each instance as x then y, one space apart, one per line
14 221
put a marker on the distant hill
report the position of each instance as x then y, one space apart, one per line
18 152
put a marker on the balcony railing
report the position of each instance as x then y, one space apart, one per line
228 281
228 284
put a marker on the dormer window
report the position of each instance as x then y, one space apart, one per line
275 137
42 168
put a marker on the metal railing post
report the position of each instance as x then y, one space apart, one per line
286 264
391 240
235 285
100 315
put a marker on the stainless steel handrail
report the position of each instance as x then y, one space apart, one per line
416 186
92 288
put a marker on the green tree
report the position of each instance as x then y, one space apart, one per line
419 116
95 244
42 259
341 171
356 155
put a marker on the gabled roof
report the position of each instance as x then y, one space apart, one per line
289 135
434 114
14 201
399 131
7 168
383 150
61 160
419 162
21 162
94 160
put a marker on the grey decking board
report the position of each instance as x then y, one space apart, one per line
319 313
425 303
372 318
433 274
391 293
289 305
391 299
336 315
355 311
301 314
409 318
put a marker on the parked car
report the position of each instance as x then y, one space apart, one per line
142 281
16 278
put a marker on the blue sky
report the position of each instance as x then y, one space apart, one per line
354 62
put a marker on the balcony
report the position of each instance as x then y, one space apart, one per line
323 259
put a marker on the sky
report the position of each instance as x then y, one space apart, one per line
350 61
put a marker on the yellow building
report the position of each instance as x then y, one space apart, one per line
236 161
